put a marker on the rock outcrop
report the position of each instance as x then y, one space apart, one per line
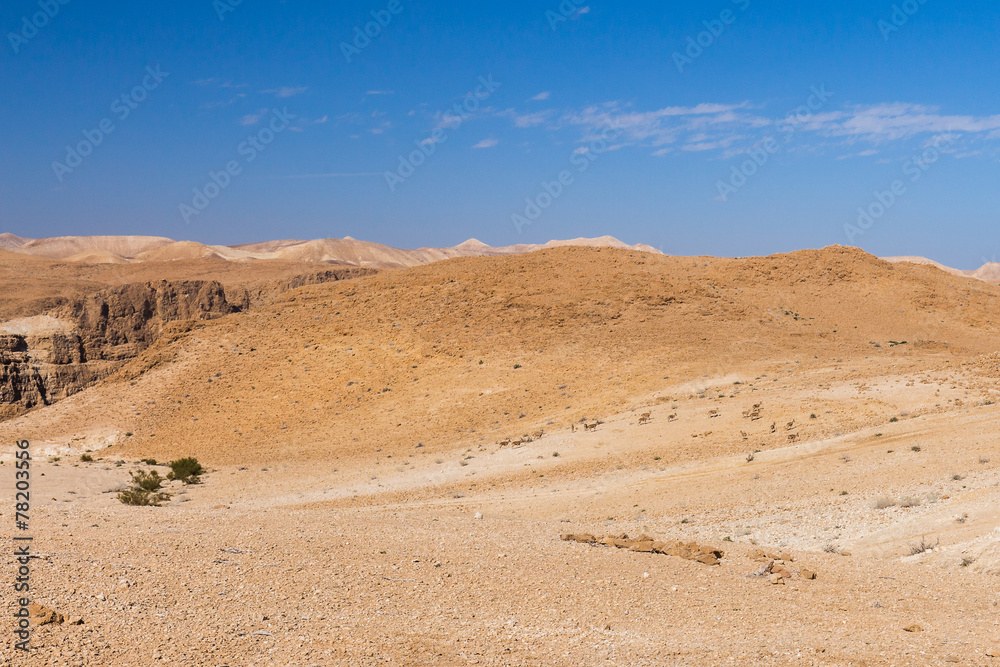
46 358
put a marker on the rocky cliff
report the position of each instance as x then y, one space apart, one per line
46 358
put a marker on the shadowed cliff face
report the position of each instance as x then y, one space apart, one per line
119 323
47 358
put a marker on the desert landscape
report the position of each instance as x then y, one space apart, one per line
583 453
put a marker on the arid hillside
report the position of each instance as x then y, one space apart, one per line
487 348
574 456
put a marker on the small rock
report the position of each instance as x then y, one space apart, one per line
75 620
777 580
952 659
913 628
479 516
807 574
100 596
993 653
845 553
41 615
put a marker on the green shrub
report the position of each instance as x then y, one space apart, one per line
150 462
144 481
86 458
141 498
187 470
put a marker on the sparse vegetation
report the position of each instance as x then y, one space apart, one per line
922 547
958 478
831 549
910 501
187 470
150 462
966 562
894 420
983 460
915 448
145 490
86 458
884 503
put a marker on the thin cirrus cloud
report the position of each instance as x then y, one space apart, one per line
286 91
729 129
487 143
541 97
253 118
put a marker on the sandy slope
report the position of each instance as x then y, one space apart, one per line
124 249
338 525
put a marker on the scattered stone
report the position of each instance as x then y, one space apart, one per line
913 628
645 544
952 659
807 574
41 615
845 553
75 620
478 516
993 653
777 580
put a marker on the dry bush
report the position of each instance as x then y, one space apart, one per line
922 547
884 503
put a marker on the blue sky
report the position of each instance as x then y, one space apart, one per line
246 121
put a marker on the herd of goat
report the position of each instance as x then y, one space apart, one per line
753 414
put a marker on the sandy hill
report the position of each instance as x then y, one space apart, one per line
477 348
823 427
343 252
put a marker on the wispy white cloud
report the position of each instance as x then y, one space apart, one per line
730 129
487 143
526 120
891 122
286 91
541 97
380 92
253 118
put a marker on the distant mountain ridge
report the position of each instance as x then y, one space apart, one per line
345 252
